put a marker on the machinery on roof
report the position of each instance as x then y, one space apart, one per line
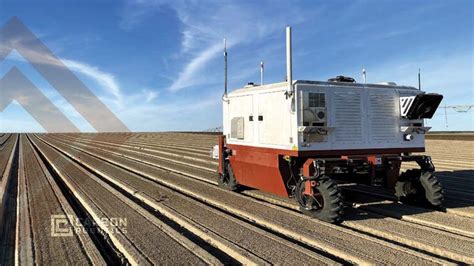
295 138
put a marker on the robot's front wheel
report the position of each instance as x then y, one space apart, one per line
420 188
324 202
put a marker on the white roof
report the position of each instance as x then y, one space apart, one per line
282 85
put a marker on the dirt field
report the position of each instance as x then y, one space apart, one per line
153 198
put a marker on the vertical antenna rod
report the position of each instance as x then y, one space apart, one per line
225 68
364 75
289 77
419 79
261 72
446 114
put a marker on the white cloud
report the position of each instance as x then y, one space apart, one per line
205 25
150 95
106 80
189 75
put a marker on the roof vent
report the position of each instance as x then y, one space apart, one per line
388 83
342 79
250 85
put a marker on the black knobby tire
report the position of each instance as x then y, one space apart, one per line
327 202
434 193
419 188
227 179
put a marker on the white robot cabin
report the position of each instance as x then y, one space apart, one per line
294 138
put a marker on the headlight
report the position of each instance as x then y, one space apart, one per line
408 137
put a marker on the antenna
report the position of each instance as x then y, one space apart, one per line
446 114
419 79
225 68
261 72
364 76
289 70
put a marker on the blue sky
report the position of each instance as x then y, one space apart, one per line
158 64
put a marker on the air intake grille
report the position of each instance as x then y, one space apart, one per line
383 118
348 118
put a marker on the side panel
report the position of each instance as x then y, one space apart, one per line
273 118
258 168
360 118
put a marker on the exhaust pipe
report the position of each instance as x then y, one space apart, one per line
225 68
289 70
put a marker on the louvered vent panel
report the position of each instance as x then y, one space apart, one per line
348 118
383 124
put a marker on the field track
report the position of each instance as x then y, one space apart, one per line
144 198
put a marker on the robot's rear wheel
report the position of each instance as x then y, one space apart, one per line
227 179
324 204
420 188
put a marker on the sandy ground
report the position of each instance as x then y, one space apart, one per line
164 186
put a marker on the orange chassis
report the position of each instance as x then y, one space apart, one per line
270 169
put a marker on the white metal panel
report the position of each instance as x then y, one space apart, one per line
275 127
383 116
347 108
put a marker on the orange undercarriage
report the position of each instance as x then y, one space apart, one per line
266 169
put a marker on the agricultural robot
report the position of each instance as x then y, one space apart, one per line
296 138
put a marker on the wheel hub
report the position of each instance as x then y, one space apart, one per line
314 201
